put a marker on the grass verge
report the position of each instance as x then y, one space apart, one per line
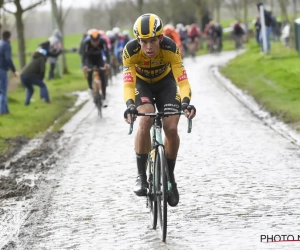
273 80
29 121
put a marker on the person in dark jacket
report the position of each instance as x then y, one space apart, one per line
33 74
268 23
6 64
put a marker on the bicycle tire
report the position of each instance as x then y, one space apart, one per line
161 185
99 104
151 197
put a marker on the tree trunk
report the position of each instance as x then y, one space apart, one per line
140 4
218 11
283 7
246 17
63 55
272 5
21 38
294 10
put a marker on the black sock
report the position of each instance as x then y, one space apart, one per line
171 165
141 160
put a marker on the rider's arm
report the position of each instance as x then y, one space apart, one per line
176 38
181 77
84 57
106 51
129 78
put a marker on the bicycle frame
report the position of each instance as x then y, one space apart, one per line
157 141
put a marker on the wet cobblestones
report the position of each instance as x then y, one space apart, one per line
237 178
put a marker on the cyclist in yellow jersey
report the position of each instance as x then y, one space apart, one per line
152 70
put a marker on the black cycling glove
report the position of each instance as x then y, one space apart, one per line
130 110
185 106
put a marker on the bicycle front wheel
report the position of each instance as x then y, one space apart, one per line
161 191
151 197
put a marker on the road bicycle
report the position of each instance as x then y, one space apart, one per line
214 45
238 40
97 88
159 185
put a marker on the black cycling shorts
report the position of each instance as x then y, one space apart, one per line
164 92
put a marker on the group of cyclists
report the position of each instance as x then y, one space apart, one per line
189 38
102 51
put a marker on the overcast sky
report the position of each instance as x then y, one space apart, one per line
47 6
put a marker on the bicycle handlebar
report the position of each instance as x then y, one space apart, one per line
161 115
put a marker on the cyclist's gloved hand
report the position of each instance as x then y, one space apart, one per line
189 110
131 110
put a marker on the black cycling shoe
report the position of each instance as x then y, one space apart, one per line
140 188
173 197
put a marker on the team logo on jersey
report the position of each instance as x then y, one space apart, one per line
154 62
182 77
125 54
178 98
145 99
127 77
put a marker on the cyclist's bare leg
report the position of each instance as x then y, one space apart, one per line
142 140
90 79
103 82
172 141
142 148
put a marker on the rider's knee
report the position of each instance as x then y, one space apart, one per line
171 132
145 124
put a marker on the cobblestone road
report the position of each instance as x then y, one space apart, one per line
237 178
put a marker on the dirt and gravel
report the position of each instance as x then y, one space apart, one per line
18 181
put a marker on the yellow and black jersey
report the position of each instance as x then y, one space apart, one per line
152 70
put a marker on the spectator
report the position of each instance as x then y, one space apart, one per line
285 34
6 63
55 48
275 28
33 74
268 23
257 26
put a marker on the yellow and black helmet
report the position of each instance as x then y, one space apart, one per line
148 25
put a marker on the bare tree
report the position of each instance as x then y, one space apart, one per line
295 9
283 4
20 26
139 5
245 3
218 10
235 6
203 11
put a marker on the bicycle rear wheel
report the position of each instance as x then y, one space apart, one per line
151 196
161 191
